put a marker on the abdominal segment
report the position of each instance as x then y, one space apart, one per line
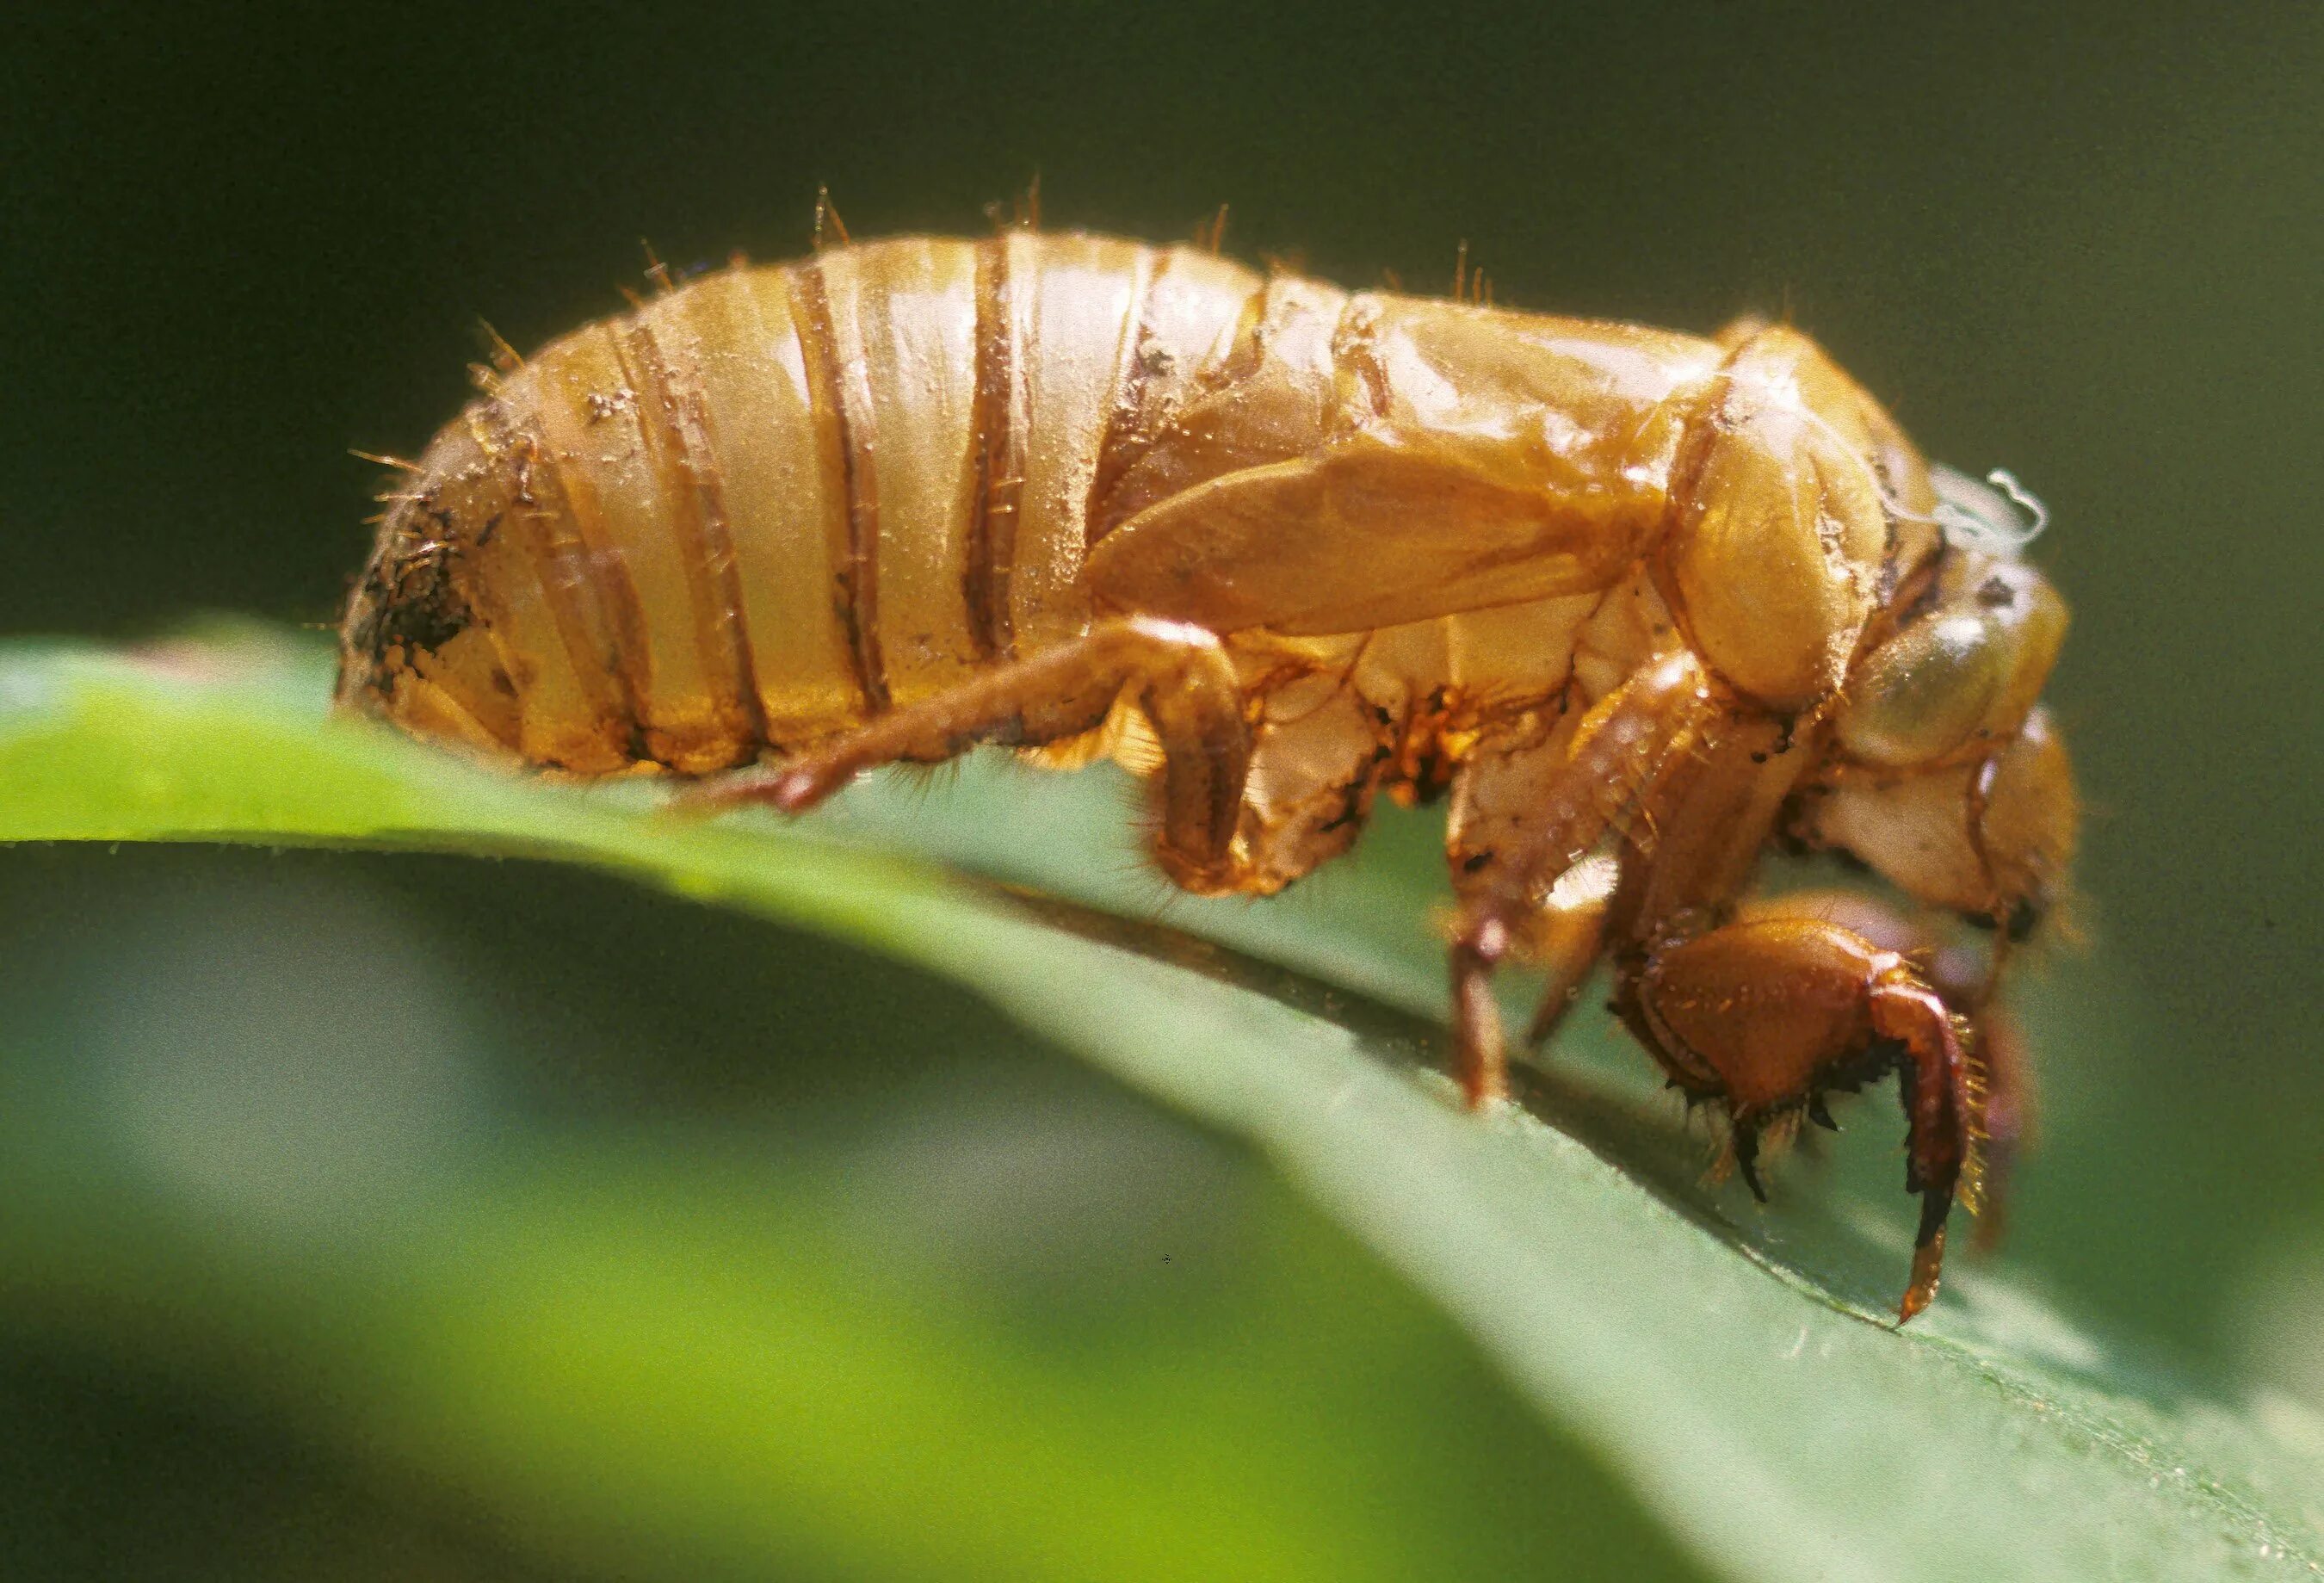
779 501
774 503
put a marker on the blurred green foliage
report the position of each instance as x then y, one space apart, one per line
678 1344
407 1248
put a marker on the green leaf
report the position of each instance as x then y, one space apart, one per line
1739 1373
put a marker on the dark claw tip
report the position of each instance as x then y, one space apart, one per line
1936 1207
1747 1157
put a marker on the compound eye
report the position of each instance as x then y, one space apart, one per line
1924 692
1966 671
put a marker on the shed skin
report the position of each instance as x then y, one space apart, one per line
1622 593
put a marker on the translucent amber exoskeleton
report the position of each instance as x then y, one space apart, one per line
1644 604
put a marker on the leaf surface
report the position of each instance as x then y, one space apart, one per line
1736 1368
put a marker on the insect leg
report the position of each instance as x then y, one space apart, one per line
1184 682
1769 1011
1314 770
2001 1089
1526 815
1937 1139
1571 938
2008 1116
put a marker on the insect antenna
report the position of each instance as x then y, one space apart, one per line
1461 270
827 223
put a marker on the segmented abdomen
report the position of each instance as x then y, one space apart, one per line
778 500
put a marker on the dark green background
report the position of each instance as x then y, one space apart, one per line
2080 241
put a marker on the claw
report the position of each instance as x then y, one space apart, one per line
1777 1008
1819 1115
1747 1157
1927 1255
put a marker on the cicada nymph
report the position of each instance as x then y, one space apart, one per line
1648 601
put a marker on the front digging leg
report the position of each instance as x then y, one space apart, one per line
2005 1102
1766 1013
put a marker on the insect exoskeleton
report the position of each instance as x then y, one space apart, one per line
1644 604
